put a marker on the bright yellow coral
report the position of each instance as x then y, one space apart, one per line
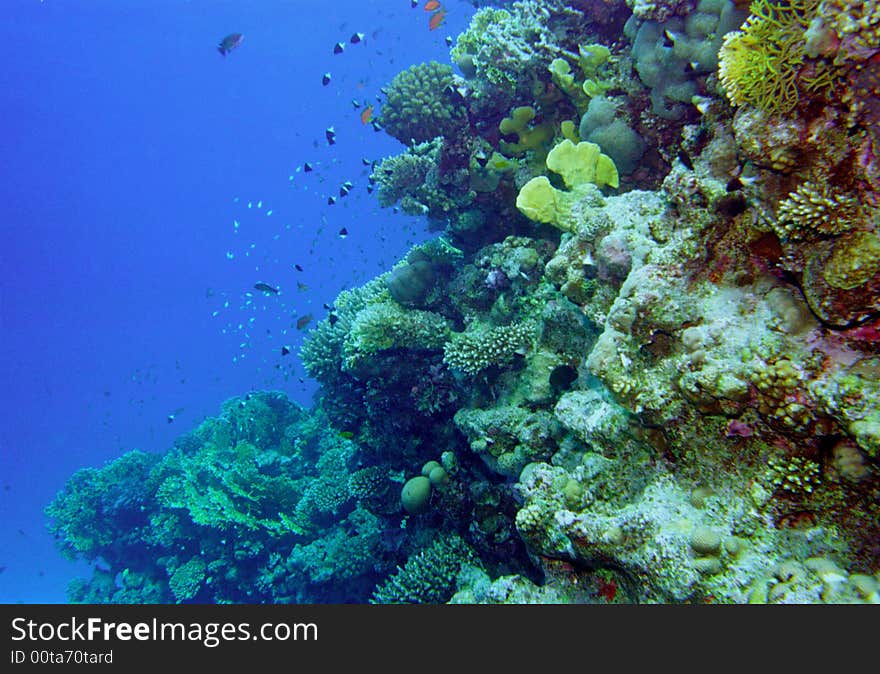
531 138
578 164
759 64
582 163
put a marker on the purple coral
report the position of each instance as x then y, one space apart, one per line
497 280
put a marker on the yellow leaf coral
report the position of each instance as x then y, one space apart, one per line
578 164
582 163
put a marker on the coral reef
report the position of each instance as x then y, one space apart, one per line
640 364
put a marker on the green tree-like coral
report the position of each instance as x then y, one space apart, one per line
415 179
99 508
428 577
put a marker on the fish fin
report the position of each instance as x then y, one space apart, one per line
221 50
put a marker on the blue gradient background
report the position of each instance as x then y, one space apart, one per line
129 148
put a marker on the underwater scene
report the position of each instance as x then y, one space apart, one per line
408 301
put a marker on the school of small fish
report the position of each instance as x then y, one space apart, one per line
264 309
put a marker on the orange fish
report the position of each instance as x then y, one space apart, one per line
431 5
367 114
303 321
436 19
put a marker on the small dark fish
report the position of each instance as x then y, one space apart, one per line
366 162
230 42
357 37
734 184
326 79
344 190
370 188
266 288
328 307
448 40
303 321
376 126
453 93
297 267
339 47
413 3
285 350
21 532
330 133
308 168
343 233
331 201
332 318
685 159
355 103
302 287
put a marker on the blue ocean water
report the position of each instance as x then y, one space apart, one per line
148 183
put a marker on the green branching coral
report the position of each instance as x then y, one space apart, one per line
322 350
187 578
417 107
415 180
85 516
369 483
324 496
427 577
816 210
474 351
339 556
760 63
257 505
794 475
382 326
